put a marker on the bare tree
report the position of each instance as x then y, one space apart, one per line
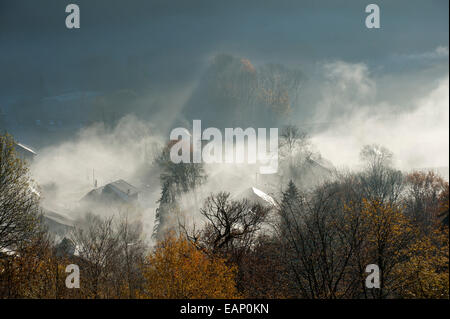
317 243
422 200
379 180
231 224
131 255
376 156
298 161
97 244
293 141
231 230
111 253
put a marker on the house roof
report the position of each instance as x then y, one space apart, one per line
124 187
255 194
264 196
120 188
59 218
26 148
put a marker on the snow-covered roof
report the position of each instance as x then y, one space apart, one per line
264 196
120 188
123 187
59 218
26 148
255 194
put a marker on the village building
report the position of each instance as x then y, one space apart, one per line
118 191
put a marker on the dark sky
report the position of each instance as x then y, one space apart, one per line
357 79
165 42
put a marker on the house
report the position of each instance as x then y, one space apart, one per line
65 248
118 191
57 223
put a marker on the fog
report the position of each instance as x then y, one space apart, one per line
98 103
95 157
419 137
347 111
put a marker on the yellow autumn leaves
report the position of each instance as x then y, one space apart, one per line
177 269
414 262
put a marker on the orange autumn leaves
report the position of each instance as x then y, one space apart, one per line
413 261
177 269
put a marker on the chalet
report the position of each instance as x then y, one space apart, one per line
118 191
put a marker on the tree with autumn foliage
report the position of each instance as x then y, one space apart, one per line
231 231
329 236
425 272
35 270
444 205
19 200
178 270
386 238
413 262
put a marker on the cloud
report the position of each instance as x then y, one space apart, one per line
441 51
439 54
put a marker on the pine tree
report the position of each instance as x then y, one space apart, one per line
176 180
290 206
